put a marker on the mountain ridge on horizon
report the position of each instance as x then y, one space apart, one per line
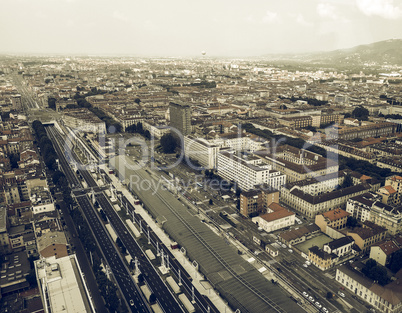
381 52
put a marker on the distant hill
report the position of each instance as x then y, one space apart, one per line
382 52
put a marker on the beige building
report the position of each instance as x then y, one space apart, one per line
277 217
202 151
385 299
321 259
336 219
367 235
312 205
248 170
381 253
297 164
396 183
257 200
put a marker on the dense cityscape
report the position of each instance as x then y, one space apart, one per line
137 175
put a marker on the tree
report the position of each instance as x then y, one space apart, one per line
51 102
168 143
140 129
137 100
347 182
152 298
14 159
147 134
131 129
360 113
329 295
140 278
375 272
351 222
395 263
211 202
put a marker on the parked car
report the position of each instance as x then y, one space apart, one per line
305 294
341 294
318 305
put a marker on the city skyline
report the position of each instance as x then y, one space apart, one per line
182 28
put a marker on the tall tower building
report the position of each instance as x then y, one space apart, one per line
180 117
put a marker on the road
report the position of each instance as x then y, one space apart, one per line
122 275
151 276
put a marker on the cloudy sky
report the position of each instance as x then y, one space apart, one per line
186 27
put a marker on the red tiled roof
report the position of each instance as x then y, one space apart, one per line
335 214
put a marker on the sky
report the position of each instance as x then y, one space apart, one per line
187 27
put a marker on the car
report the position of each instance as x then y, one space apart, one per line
308 262
324 309
305 265
290 250
341 294
283 246
311 298
131 302
318 305
305 294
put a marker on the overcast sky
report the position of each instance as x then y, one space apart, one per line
186 27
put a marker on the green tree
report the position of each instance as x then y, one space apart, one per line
152 298
14 159
329 295
211 202
351 222
395 263
168 143
51 102
347 182
360 113
137 100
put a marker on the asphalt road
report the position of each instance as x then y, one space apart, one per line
123 278
154 281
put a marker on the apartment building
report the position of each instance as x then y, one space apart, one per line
180 117
372 130
322 259
367 235
247 170
83 120
340 247
311 205
368 207
297 121
336 219
257 200
360 206
381 253
297 164
202 151
395 182
277 217
319 184
385 299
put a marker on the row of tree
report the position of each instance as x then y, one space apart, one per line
48 153
310 101
139 129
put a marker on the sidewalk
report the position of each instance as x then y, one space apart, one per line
199 281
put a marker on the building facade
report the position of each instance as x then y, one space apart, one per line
180 117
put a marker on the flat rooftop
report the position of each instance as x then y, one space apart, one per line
64 284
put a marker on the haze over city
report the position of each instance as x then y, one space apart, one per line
185 28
